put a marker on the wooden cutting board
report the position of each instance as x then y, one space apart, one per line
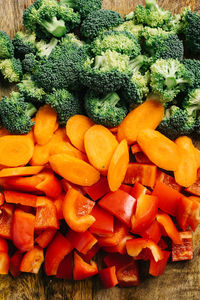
180 280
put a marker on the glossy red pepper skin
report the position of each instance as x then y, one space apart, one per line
108 277
168 180
49 184
20 183
138 190
3 245
82 269
142 173
128 275
153 232
4 262
104 224
45 237
81 241
32 260
98 190
120 247
15 262
65 269
184 251
6 218
20 198
46 214
90 254
126 188
118 260
2 199
158 268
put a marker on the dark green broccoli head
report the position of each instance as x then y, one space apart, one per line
44 48
65 104
24 43
130 26
99 21
6 46
11 69
30 63
108 111
191 102
192 29
193 66
16 114
84 7
120 41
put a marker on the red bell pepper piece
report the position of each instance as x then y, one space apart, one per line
158 268
135 148
23 230
90 254
138 190
104 221
59 205
55 253
3 245
66 185
126 188
184 251
15 262
81 241
120 204
4 262
141 158
6 217
162 244
146 210
168 198
153 232
143 173
97 190
76 211
32 260
82 269
195 187
50 185
65 269
169 227
168 180
108 277
128 275
118 260
135 246
144 255
188 213
2 199
21 183
46 214
20 198
120 247
45 237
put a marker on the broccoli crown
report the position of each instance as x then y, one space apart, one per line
24 43
29 90
130 26
176 122
151 15
120 41
65 104
192 29
84 7
175 24
99 21
16 114
191 103
44 48
108 111
6 46
11 69
169 78
70 39
193 66
29 63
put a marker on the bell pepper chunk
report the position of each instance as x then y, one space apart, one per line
21 183
2 198
143 173
128 275
45 237
118 260
82 269
108 277
138 190
32 260
135 246
15 262
141 158
104 224
126 188
153 232
90 254
4 262
55 253
76 211
65 269
66 185
20 198
158 268
168 180
46 214
6 217
50 185
120 247
195 187
59 205
81 241
120 204
23 230
169 227
184 251
3 245
97 190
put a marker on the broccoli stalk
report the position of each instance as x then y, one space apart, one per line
56 27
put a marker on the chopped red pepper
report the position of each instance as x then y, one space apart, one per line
118 260
50 185
4 262
135 148
153 232
143 173
103 224
128 275
99 189
91 253
15 262
158 268
195 187
65 269
82 269
59 205
162 244
108 277
66 185
45 237
3 245
6 216
141 158
184 251
21 183
120 247
126 188
81 241
120 204
169 227
138 190
32 260
168 180
2 199
20 198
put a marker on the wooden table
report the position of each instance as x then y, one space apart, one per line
180 280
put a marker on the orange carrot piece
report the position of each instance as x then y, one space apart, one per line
74 170
41 154
76 128
186 173
147 115
61 132
159 149
118 166
45 124
15 150
135 149
100 145
144 174
20 171
197 155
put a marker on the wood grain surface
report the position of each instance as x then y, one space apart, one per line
180 280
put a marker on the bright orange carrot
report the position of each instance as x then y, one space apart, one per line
61 132
20 171
100 145
76 128
159 149
118 166
45 124
74 170
41 154
197 155
147 115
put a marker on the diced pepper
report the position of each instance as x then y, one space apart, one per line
143 173
184 251
126 188
3 245
153 232
103 224
108 277
59 205
46 214
50 185
21 183
2 199
163 244
45 237
128 275
15 262
90 254
144 255
135 148
118 260
32 260
66 185
97 190
168 180
195 187
65 269
169 227
82 269
158 268
141 158
120 247
81 241
138 190
4 262
20 198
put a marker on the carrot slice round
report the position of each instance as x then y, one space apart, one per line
20 171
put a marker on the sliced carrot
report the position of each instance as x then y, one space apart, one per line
15 150
45 124
186 173
61 132
41 154
147 115
74 170
100 145
118 166
159 149
76 128
20 171
197 155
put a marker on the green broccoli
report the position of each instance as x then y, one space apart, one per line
99 21
191 22
169 78
84 7
11 69
70 39
174 25
6 46
44 48
108 111
193 66
191 103
30 63
130 26
24 43
65 104
48 17
120 41
16 114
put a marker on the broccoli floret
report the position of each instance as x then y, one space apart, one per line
30 63
6 46
191 103
175 24
176 122
193 66
70 39
24 43
48 17
191 30
99 21
130 26
44 48
108 111
84 7
65 104
151 15
16 114
11 69
120 41
169 78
